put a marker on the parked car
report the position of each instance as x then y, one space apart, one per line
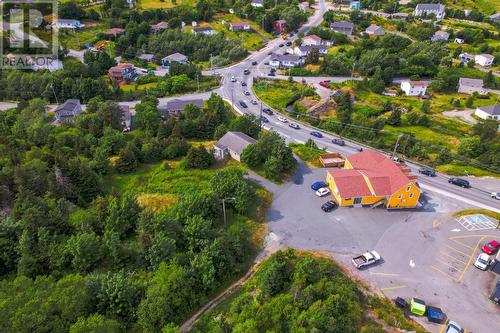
459 182
323 191
453 327
254 102
269 53
491 247
329 206
233 79
247 93
243 104
339 142
268 111
316 134
294 125
495 195
435 315
482 262
288 43
264 119
271 74
397 159
254 63
246 72
325 84
495 295
282 119
427 171
317 185
366 259
243 84
273 70
417 306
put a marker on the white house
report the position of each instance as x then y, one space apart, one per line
207 31
459 41
258 3
311 40
286 61
424 9
488 112
375 30
303 51
232 144
484 59
67 24
239 26
414 88
470 86
304 6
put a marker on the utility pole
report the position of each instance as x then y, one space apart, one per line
397 144
352 73
224 209
260 116
52 86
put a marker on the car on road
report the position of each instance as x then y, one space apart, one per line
482 262
264 119
366 259
243 104
491 247
453 327
427 171
495 195
329 206
323 191
243 84
254 102
339 142
268 111
246 71
325 84
269 53
233 79
459 182
254 63
271 74
397 159
288 43
317 185
281 45
316 134
294 125
282 119
247 93
273 70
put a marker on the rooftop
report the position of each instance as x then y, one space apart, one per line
69 105
180 104
430 6
419 83
486 55
342 24
373 28
285 57
176 57
315 37
470 82
493 110
235 141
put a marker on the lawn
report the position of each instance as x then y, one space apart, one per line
426 134
308 154
485 6
250 40
163 4
77 39
280 93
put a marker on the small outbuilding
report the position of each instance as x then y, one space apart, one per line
232 144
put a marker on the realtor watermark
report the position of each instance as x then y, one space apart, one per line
28 39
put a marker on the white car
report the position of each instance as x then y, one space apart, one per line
482 261
233 79
495 195
322 192
254 102
282 119
453 327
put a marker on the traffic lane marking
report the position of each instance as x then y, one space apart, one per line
394 287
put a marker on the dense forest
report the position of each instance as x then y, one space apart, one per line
300 292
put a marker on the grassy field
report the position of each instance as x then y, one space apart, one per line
250 40
77 40
460 170
162 4
307 154
485 6
280 93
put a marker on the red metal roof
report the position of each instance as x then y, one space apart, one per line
350 183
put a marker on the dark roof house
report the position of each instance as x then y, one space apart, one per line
68 110
343 27
175 106
232 144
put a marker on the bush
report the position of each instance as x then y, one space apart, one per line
199 158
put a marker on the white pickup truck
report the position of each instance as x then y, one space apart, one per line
366 259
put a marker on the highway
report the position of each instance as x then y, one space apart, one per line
233 92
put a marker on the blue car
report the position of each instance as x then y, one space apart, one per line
317 134
317 185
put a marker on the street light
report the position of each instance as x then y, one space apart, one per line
224 208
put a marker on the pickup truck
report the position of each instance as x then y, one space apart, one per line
366 259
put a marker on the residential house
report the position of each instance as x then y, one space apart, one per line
175 57
159 27
484 59
232 144
239 26
370 178
355 5
174 107
495 18
303 51
114 32
123 73
304 6
67 24
342 27
440 35
258 3
459 41
207 31
425 9
147 57
414 88
68 110
470 86
286 60
279 26
375 30
311 40
466 57
488 112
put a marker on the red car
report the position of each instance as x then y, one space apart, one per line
325 84
491 247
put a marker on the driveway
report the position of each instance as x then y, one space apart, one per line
426 253
465 115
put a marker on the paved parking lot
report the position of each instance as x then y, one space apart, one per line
426 253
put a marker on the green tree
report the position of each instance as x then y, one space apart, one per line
161 250
127 159
313 56
85 250
199 158
486 130
395 117
426 107
470 147
96 323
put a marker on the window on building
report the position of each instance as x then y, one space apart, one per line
411 195
400 196
408 189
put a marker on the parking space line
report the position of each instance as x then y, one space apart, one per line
443 327
452 257
384 274
465 254
392 288
446 264
471 257
460 243
444 273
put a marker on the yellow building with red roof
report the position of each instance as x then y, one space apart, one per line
371 178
